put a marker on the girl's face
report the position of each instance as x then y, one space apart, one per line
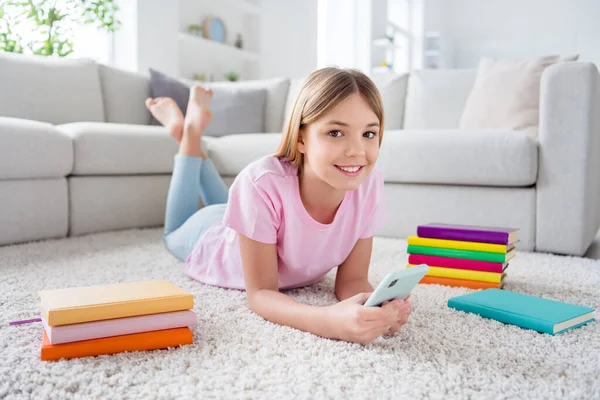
342 146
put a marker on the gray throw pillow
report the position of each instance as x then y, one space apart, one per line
235 109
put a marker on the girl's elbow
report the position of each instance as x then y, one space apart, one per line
253 298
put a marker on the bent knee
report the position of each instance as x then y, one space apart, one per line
175 247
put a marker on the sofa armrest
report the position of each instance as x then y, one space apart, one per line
568 184
33 150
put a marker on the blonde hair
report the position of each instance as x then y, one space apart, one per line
320 93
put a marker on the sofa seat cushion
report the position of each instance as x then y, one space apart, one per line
33 150
231 154
490 158
120 149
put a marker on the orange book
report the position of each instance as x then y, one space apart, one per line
116 344
460 282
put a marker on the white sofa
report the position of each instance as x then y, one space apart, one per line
77 154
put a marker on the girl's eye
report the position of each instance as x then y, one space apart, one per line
369 135
335 133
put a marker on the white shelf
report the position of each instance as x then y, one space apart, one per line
235 6
218 47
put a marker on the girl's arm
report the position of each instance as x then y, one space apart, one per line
352 275
347 320
259 261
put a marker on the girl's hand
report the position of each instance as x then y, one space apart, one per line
406 309
351 321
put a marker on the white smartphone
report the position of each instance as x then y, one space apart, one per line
397 285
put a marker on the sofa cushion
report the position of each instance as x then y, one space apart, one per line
295 85
436 98
506 94
235 108
120 149
124 94
32 150
231 154
439 157
50 90
277 90
496 158
393 95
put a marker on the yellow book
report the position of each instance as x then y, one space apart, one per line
466 274
96 303
460 245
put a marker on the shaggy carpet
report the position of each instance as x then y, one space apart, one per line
440 353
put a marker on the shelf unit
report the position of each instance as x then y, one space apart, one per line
432 50
202 56
187 39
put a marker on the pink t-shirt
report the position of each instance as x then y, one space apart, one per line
265 205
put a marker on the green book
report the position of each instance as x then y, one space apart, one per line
465 254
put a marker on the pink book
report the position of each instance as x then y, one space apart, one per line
458 263
119 326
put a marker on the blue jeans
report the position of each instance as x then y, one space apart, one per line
193 178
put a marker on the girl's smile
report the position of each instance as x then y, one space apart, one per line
350 170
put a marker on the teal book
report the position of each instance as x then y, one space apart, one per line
530 312
464 254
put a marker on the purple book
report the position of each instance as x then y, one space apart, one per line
466 233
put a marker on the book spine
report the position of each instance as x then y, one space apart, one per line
457 244
452 253
447 262
502 316
455 273
434 280
119 310
463 235
119 326
118 344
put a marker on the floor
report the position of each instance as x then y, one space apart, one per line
440 353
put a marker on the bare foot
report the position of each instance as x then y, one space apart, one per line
166 111
198 114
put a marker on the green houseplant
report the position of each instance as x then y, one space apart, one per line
232 76
50 23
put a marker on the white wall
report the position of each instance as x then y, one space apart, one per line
148 36
515 28
288 38
346 30
157 30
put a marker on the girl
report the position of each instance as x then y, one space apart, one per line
289 218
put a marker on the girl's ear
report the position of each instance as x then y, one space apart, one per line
301 145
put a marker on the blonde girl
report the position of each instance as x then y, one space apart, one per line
289 218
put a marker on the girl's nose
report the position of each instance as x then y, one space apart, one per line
355 148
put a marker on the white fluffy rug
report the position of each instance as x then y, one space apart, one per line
440 353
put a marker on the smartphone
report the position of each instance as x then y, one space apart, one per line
397 285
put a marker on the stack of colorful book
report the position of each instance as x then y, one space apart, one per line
109 319
475 257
